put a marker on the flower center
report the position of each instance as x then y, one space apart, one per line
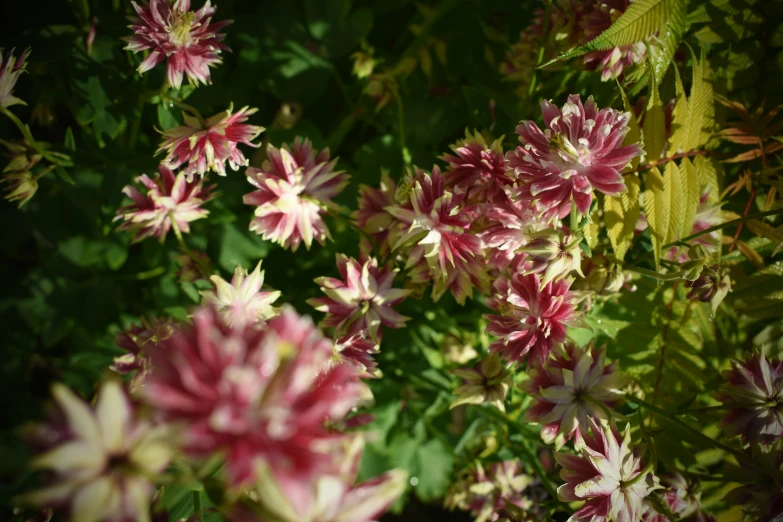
180 29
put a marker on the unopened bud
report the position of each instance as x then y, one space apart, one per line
553 252
712 285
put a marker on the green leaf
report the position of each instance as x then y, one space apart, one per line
435 464
670 35
679 130
673 194
63 175
691 188
69 142
701 106
634 132
654 123
620 216
166 119
656 209
710 173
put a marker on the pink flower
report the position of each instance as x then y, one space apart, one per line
568 388
188 41
372 215
579 151
253 393
137 340
10 70
330 497
357 349
206 145
294 188
754 392
610 62
511 226
169 198
100 458
441 244
476 169
680 496
532 318
487 381
362 299
607 474
242 301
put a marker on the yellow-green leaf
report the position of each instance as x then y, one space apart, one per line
634 132
710 174
673 193
679 130
591 229
620 216
656 209
691 188
654 123
701 106
670 34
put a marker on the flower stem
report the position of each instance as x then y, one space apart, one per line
56 158
720 226
197 506
652 274
647 469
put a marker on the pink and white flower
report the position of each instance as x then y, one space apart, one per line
11 68
607 474
372 216
100 458
294 189
754 394
511 224
169 200
533 318
680 497
476 169
579 151
187 40
438 236
487 381
362 299
357 349
568 389
206 145
610 62
242 301
253 393
137 341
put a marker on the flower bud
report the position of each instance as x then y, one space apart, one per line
698 257
21 186
363 64
487 381
554 252
711 286
604 276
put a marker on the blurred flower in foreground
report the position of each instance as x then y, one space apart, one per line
573 385
754 394
11 68
168 197
187 40
606 474
488 381
206 145
330 497
294 189
502 489
103 459
362 299
242 301
137 340
253 393
579 151
611 62
532 317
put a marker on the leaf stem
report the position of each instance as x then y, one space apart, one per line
653 274
743 219
197 506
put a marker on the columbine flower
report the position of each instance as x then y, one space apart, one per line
253 393
206 145
569 388
606 474
533 317
242 301
487 381
754 392
331 497
512 224
680 497
712 286
103 458
362 299
294 187
137 340
357 349
438 230
610 62
503 489
372 215
579 151
188 41
553 252
21 186
10 70
169 199
476 169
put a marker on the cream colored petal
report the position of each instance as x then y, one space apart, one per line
114 413
78 415
97 501
77 457
137 499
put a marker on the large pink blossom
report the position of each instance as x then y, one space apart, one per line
532 318
362 299
607 474
294 189
438 236
580 150
169 199
754 394
11 68
253 393
611 62
206 145
569 388
187 40
476 169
